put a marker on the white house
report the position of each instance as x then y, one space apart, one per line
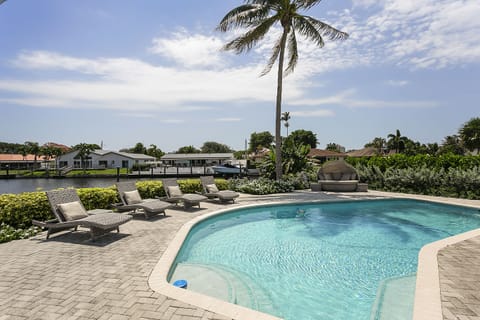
196 159
101 159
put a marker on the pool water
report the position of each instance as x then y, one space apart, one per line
342 260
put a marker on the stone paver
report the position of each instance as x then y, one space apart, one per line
459 270
70 277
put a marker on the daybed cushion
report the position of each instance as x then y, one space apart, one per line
72 210
132 197
212 188
174 191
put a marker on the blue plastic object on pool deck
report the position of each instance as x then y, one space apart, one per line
181 284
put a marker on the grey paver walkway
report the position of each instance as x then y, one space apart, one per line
69 277
459 269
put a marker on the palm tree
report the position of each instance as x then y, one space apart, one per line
285 117
470 134
378 143
396 141
84 150
33 148
258 17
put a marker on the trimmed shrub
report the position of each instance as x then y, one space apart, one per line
261 186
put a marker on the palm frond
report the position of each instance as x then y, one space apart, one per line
305 28
306 4
273 58
243 16
292 52
326 30
250 39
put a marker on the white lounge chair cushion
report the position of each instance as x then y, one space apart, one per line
132 197
72 210
174 191
212 188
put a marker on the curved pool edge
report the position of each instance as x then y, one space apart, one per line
158 278
427 303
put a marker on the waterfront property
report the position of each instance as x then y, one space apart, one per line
103 159
196 159
18 161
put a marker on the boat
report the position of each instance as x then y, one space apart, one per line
228 169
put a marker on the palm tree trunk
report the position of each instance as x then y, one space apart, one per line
278 112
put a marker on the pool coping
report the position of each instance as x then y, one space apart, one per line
427 303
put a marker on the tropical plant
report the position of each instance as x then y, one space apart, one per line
470 134
258 17
84 150
452 144
285 117
33 148
396 141
294 159
378 143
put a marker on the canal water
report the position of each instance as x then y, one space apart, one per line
39 184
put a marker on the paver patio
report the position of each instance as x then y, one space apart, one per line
70 277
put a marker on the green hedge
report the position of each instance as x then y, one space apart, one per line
454 182
18 210
401 161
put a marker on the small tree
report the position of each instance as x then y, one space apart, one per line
304 137
188 149
215 147
260 140
333 147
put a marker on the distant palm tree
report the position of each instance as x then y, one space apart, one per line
285 117
84 150
396 141
33 148
470 134
258 17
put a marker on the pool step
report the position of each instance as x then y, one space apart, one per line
224 283
395 298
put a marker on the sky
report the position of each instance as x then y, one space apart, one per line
122 72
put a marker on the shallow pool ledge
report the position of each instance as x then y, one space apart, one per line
158 278
428 302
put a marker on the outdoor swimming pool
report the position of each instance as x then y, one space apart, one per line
342 260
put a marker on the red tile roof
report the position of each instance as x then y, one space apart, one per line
324 153
6 157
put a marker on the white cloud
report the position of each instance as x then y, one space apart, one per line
313 113
350 99
416 33
190 50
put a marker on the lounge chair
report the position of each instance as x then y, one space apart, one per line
70 213
132 201
175 195
210 190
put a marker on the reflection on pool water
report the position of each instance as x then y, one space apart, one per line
342 260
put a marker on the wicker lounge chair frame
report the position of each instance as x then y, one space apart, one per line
99 221
188 199
148 207
222 195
